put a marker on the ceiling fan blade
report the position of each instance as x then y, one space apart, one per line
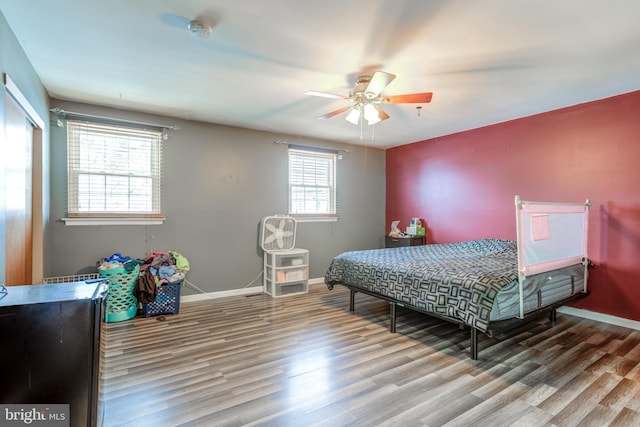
410 98
335 113
378 82
325 94
381 113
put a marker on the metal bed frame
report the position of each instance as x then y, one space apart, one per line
532 259
494 328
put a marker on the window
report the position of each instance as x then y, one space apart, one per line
114 171
312 183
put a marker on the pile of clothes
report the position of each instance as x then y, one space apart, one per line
157 269
117 260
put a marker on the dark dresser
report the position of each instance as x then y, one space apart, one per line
51 344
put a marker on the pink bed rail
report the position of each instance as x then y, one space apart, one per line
550 236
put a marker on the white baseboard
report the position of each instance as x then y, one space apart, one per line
222 294
605 318
236 292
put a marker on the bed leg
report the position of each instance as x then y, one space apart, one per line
352 300
392 317
553 315
473 343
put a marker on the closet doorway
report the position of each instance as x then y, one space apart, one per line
23 190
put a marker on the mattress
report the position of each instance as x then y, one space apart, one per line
460 280
539 291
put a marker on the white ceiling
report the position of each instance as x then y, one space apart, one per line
486 61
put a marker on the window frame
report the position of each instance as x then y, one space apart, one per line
299 153
113 129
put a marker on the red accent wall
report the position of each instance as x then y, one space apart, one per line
463 186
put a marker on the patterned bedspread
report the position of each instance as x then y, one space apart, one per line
458 280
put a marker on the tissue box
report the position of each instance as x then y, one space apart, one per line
415 231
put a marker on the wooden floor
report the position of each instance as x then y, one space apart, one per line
306 361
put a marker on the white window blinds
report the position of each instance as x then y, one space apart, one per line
113 170
312 178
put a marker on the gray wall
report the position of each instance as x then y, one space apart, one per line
219 182
15 63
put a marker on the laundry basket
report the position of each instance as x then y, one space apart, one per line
121 303
167 300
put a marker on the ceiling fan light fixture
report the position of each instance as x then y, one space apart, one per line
373 121
366 96
353 116
371 114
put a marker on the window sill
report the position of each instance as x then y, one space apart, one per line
113 221
315 218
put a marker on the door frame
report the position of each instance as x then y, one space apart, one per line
37 199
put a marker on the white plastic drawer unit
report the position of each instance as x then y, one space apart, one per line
295 288
286 273
289 259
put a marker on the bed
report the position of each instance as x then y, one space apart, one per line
488 285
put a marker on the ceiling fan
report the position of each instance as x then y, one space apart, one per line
366 96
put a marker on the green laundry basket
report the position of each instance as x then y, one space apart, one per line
121 303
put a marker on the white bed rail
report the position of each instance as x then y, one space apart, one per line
550 236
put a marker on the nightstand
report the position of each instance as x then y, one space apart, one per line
396 242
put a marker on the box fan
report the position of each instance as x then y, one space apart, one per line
278 233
